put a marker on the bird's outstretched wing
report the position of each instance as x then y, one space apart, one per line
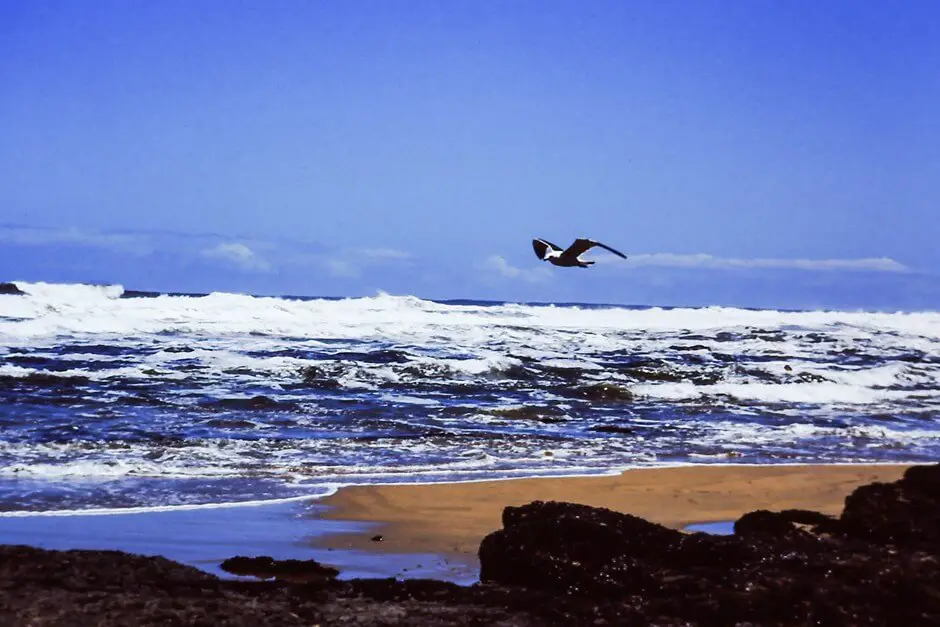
582 244
606 247
542 246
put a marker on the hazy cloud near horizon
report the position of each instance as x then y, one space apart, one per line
253 255
706 261
133 243
496 264
207 262
239 255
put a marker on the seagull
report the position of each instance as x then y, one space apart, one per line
546 251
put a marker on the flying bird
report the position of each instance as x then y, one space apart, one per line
571 256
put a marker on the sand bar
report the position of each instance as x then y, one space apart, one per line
452 518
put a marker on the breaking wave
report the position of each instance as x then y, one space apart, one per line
108 392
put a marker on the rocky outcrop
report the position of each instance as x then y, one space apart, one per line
10 288
779 523
904 514
875 564
266 567
108 588
601 393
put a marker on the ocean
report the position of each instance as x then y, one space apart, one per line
115 400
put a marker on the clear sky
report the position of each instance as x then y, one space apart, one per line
753 153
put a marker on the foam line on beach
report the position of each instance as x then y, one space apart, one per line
329 489
617 470
114 511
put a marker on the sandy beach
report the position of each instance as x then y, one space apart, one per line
435 530
453 518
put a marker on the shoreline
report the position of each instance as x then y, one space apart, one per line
434 530
332 488
550 563
451 519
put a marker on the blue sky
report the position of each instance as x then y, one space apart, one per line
780 154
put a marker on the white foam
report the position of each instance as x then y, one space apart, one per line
813 393
409 400
57 293
328 490
10 370
222 328
724 433
78 309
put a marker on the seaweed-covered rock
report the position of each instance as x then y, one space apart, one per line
601 392
879 563
905 513
108 588
578 549
266 567
779 523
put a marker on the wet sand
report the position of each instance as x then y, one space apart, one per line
452 519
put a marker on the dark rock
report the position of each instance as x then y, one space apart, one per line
577 549
139 294
540 413
516 372
42 587
10 288
317 377
377 538
878 563
44 379
569 374
905 513
221 423
689 347
603 392
779 523
613 429
810 377
381 356
178 349
251 403
266 567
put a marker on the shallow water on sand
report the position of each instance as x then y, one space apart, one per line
130 400
205 537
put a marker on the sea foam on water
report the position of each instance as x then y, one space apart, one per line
127 399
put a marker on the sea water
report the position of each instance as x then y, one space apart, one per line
112 400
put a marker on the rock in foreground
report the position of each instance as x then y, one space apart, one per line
875 564
286 570
84 588
552 564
